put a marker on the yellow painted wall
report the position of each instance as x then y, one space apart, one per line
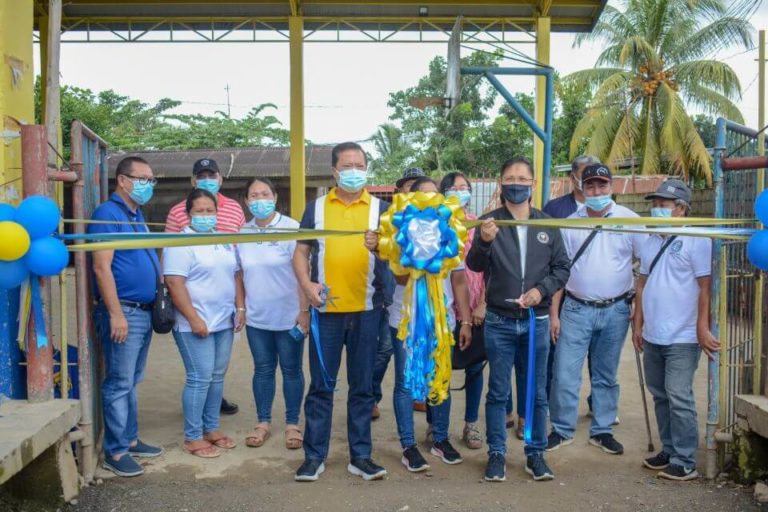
17 81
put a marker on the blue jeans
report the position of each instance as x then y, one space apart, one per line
601 332
473 388
358 331
504 338
383 354
205 360
669 371
402 398
124 370
267 347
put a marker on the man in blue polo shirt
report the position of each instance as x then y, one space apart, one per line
126 281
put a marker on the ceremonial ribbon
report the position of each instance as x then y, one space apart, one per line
314 328
530 379
37 311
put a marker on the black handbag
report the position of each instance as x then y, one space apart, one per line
475 353
163 312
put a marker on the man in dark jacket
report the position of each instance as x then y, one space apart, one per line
523 267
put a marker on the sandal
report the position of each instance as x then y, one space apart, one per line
293 437
220 440
204 449
259 436
520 434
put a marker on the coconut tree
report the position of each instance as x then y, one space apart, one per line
656 62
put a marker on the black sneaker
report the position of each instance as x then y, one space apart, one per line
538 469
679 473
367 469
555 441
413 460
309 471
446 452
496 470
126 466
228 408
658 461
607 443
142 449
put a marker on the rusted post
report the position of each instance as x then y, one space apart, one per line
34 167
744 162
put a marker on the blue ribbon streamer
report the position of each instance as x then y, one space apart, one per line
420 344
314 328
530 381
37 311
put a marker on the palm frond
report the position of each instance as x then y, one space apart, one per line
712 74
712 102
604 133
649 147
719 35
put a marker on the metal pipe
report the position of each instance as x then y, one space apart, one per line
741 163
548 123
65 176
724 437
718 282
34 165
88 461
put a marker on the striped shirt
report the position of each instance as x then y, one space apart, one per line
354 275
229 216
475 281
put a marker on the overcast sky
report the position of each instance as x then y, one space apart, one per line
346 84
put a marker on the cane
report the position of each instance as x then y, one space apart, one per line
642 393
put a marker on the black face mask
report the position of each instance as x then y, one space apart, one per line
516 194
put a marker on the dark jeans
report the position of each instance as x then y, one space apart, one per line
358 331
383 355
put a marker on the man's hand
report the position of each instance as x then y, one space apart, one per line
371 240
239 320
465 336
303 320
198 327
314 291
531 298
118 327
488 230
707 341
637 339
478 315
554 328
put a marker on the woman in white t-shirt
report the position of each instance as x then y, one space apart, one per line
203 282
277 318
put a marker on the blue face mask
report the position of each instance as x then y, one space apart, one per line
516 194
262 208
209 184
141 193
203 223
352 180
463 195
661 212
598 203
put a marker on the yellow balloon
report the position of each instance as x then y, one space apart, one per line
14 241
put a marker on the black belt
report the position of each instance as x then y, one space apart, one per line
603 303
137 305
514 314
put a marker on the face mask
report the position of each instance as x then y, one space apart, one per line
203 223
661 212
463 195
209 184
352 180
516 194
597 203
262 208
141 193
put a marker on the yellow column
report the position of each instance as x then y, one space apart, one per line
298 194
542 56
759 282
17 81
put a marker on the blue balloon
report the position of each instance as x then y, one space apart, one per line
7 212
12 274
47 256
761 207
39 215
757 249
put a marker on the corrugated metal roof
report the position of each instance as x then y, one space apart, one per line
271 162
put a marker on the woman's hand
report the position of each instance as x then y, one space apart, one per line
303 321
239 319
465 336
198 327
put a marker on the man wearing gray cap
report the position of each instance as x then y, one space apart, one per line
671 328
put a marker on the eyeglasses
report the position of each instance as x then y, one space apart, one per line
512 180
140 180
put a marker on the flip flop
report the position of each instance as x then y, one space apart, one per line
212 452
220 440
259 436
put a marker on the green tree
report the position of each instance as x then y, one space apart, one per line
705 125
572 100
393 154
655 61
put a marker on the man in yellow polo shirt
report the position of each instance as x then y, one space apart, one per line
355 279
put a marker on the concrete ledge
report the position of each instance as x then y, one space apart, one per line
27 430
754 410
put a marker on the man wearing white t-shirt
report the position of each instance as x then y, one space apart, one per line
672 328
594 317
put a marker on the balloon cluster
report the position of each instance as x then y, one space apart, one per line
26 244
757 247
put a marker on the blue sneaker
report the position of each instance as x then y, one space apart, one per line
126 466
537 468
496 470
145 450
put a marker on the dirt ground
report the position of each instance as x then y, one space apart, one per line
250 479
